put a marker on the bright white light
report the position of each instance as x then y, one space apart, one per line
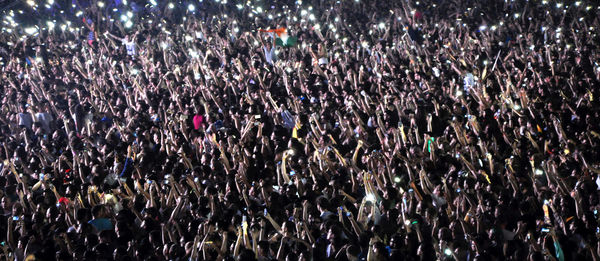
30 2
448 252
188 38
191 8
517 107
100 4
311 17
482 28
539 172
303 12
30 30
364 45
171 5
50 2
78 14
381 25
63 27
370 198
129 14
124 18
128 24
578 3
517 15
50 25
153 2
134 71
259 9
193 53
239 6
559 5
397 179
164 45
459 93
236 29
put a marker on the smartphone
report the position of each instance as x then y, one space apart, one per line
458 190
546 230
149 181
292 173
265 212
41 176
16 218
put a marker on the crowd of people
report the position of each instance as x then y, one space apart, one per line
390 130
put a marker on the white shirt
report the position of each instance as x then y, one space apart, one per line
44 118
130 46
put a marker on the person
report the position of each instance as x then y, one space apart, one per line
100 219
130 44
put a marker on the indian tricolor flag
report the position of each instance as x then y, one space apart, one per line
281 37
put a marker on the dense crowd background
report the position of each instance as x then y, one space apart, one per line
392 130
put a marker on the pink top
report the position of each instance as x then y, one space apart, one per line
198 120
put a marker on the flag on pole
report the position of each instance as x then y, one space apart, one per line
295 130
281 36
